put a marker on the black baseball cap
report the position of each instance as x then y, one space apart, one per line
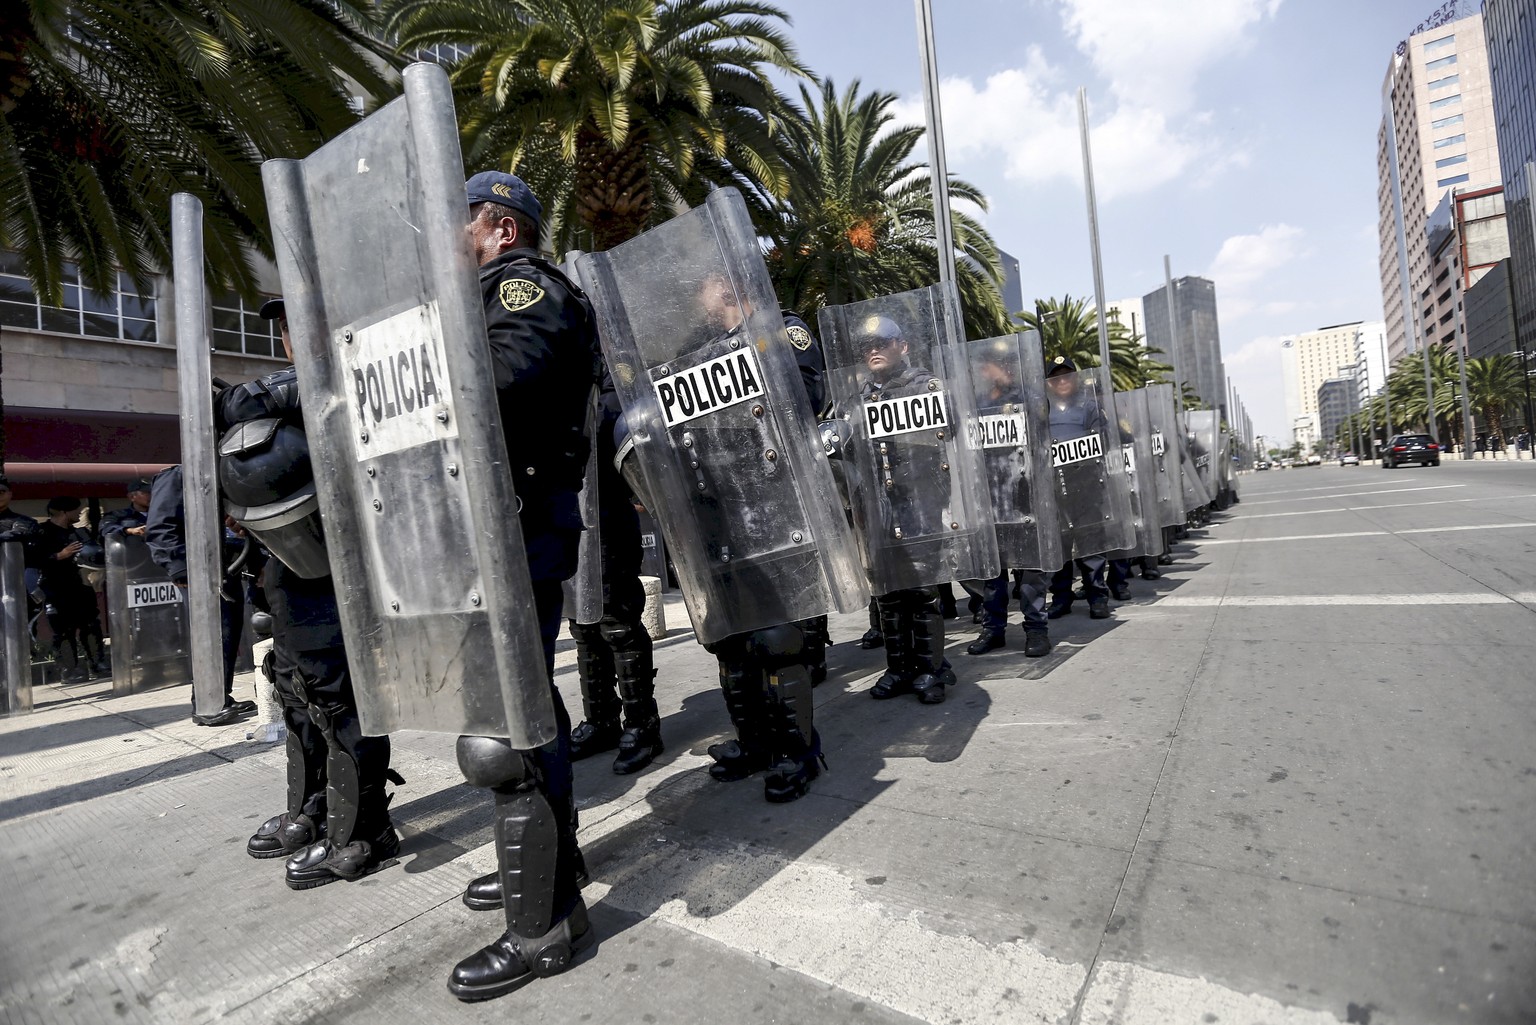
64 503
138 484
1060 365
507 189
272 309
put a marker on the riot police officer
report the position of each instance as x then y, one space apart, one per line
1074 415
336 825
544 350
72 611
911 619
131 519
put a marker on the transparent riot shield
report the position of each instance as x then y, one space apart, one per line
151 644
724 439
584 590
1201 424
1093 504
203 527
16 638
1136 448
653 551
1195 494
898 378
395 375
1012 431
1227 468
1167 486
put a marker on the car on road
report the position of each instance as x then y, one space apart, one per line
1410 448
1262 464
1314 460
1349 459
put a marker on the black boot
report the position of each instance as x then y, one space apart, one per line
796 744
947 607
96 652
67 657
816 643
640 742
745 701
599 728
872 637
896 625
303 824
989 640
484 892
934 672
1037 644
513 961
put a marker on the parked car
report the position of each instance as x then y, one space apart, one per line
1410 448
1314 460
1349 459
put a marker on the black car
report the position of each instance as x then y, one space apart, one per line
1410 448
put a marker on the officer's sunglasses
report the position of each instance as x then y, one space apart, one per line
876 344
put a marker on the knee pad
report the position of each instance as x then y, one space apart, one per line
491 762
585 633
778 646
623 633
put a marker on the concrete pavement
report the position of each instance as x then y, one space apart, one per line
1292 781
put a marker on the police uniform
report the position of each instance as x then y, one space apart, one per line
119 520
544 352
337 822
72 612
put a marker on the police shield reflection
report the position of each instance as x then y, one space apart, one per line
150 643
1167 486
1140 472
1092 503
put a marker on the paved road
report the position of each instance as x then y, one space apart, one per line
1292 781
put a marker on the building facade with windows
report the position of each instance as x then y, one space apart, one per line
1199 362
1338 398
1436 134
1509 30
90 387
1311 358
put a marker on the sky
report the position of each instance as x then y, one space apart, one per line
1236 136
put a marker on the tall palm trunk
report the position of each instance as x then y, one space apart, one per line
614 196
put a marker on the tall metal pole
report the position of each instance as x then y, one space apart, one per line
1173 334
938 170
1107 390
1386 392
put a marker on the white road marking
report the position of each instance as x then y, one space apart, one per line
1304 600
1354 494
1361 533
1388 505
1335 487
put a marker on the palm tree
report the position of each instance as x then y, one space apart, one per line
1070 327
107 107
1495 384
857 220
619 113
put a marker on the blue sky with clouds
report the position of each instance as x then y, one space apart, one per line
1238 136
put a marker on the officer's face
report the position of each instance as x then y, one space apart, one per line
140 499
5 499
1062 385
721 309
883 354
490 237
282 326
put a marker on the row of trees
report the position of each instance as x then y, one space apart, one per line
1495 388
619 113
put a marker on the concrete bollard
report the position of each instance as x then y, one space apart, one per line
654 618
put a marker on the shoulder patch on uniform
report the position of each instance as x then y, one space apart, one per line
799 337
517 294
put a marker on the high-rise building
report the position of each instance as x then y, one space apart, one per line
1337 399
1198 355
1013 284
1437 132
1467 239
1509 32
1313 357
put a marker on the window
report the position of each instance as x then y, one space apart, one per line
1444 101
1441 83
1457 180
1449 140
1460 158
1443 62
238 328
120 313
1435 45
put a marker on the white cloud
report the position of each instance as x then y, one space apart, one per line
1152 51
1246 260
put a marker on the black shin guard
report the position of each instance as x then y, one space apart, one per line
933 670
896 625
303 823
796 744
640 742
741 681
594 666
